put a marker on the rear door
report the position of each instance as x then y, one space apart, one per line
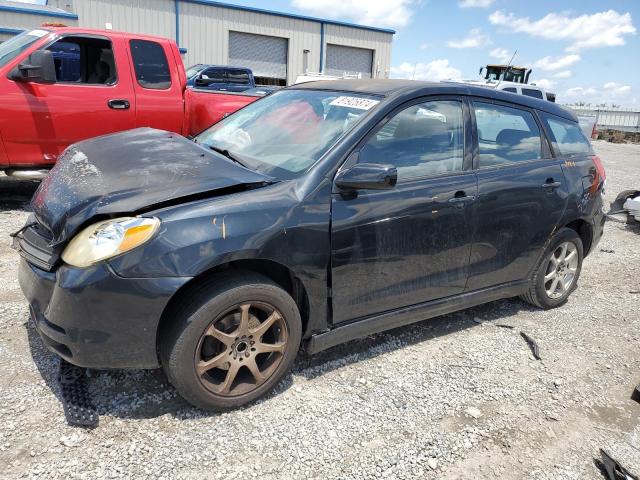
158 88
410 244
92 96
522 193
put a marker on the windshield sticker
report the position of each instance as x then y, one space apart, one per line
355 102
38 33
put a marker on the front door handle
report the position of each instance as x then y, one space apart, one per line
461 198
119 104
551 184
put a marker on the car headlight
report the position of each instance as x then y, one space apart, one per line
108 238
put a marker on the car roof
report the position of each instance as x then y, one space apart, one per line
396 87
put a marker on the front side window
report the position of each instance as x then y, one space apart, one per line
285 133
421 140
506 135
84 60
213 75
567 136
18 44
150 64
239 77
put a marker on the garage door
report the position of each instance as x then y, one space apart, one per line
266 56
349 60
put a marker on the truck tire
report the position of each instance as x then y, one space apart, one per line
556 275
230 340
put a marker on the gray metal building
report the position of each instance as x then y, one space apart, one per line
277 46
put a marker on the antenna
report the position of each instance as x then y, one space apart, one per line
508 66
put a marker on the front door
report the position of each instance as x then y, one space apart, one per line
411 244
522 194
92 89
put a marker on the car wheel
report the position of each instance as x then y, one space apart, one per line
556 276
230 341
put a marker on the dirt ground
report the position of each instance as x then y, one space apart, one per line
451 398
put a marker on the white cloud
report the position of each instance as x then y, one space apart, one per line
435 70
603 29
475 3
385 13
502 54
563 74
475 39
556 63
424 46
608 93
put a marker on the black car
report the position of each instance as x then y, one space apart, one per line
319 214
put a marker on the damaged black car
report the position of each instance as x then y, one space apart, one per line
320 214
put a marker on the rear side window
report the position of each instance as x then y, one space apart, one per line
150 64
214 75
567 136
530 92
506 135
238 76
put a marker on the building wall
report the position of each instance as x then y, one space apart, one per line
203 29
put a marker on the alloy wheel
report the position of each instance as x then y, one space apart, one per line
241 349
561 270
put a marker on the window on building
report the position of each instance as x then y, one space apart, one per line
530 92
421 140
150 64
84 60
506 135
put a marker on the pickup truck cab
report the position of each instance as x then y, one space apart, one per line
62 85
218 77
323 213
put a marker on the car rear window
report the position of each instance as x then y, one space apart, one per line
150 64
567 136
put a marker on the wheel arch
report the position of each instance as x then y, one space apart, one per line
584 229
277 272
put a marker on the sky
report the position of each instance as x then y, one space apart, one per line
583 50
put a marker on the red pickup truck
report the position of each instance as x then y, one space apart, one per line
62 85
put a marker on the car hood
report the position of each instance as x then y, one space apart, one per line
131 172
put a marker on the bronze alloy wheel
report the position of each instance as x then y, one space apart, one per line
241 349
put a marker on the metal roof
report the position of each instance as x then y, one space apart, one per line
31 9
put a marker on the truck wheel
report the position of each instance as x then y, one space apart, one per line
556 276
230 341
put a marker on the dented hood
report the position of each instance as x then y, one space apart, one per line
130 172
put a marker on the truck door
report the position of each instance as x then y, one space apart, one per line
522 194
159 93
92 96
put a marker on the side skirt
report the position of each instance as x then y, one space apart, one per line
415 313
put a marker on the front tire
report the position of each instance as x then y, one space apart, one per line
556 276
230 341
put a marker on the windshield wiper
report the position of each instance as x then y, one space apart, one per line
229 155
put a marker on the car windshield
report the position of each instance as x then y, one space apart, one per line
18 44
286 132
191 71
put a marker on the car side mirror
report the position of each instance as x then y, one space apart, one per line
40 68
370 176
200 82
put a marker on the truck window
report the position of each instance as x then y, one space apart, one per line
530 92
150 64
567 136
214 75
238 76
84 60
510 89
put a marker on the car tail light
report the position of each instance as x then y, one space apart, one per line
602 175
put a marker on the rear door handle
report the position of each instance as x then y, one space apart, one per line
119 104
551 185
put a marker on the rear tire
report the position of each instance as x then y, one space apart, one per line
230 340
557 273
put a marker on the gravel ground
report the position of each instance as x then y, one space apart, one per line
454 397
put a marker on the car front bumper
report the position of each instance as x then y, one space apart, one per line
94 318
